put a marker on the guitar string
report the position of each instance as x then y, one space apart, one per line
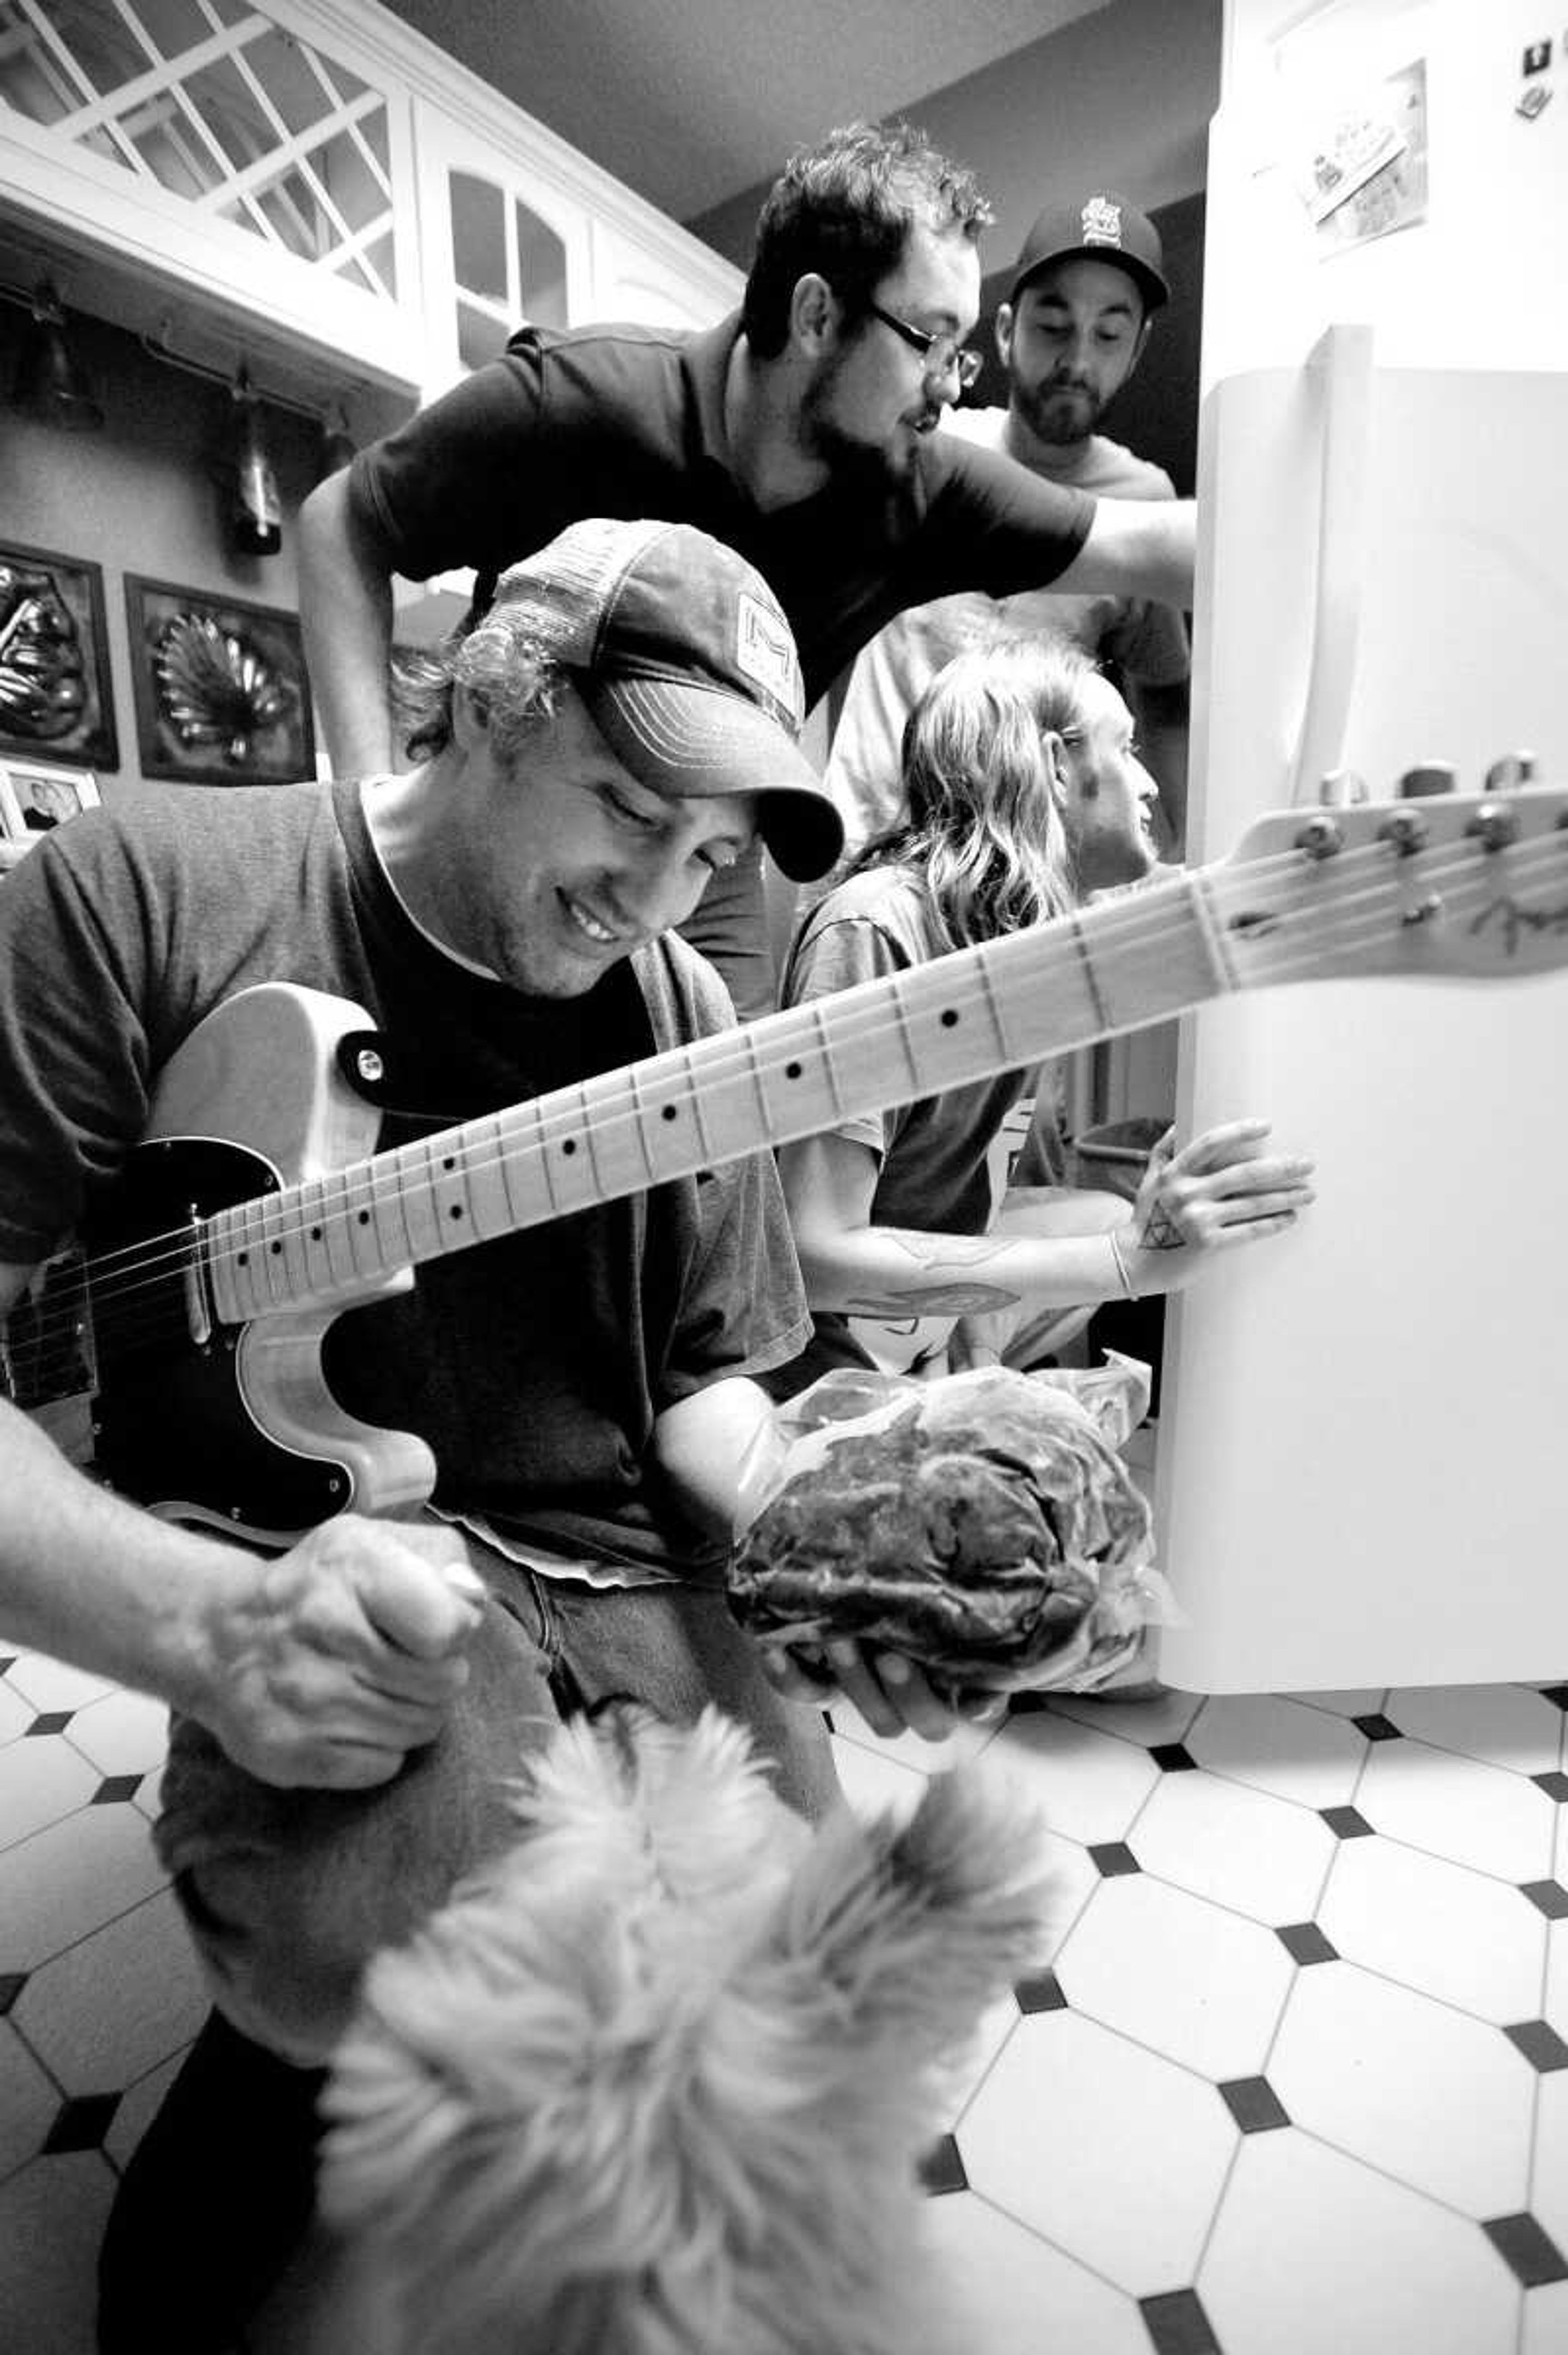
1124 922
1130 916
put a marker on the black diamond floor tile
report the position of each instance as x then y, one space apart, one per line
1540 2044
1547 1897
1114 1856
1041 1993
53 1721
1177 2324
1305 1943
81 2122
1255 2105
11 1986
115 1788
1555 1785
1173 1758
1346 1823
941 2168
1527 2250
1377 1727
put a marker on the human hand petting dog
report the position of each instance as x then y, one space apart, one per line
892 1694
1220 1190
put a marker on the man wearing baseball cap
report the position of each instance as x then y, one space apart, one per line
1085 287
350 1713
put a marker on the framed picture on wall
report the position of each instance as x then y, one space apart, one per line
220 687
56 699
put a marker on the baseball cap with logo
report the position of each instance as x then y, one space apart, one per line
686 664
1098 226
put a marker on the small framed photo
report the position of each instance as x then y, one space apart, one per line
35 795
220 686
56 699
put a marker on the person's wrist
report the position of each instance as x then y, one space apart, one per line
1125 1253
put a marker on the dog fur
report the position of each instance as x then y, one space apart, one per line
656 2083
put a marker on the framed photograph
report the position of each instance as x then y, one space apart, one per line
37 795
56 699
220 687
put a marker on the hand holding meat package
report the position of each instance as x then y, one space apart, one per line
982 1524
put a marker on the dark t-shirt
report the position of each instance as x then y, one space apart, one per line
623 421
533 1366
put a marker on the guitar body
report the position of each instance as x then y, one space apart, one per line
223 1423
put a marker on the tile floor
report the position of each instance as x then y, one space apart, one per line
1294 2083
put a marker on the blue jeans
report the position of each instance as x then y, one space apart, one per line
287 1893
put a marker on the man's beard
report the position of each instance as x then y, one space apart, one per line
1062 415
855 463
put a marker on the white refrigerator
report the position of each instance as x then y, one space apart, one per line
1361 1476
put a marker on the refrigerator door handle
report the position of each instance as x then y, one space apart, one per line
1342 365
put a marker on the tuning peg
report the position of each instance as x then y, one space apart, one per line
1338 788
1426 778
1513 769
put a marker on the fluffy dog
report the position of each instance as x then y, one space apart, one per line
656 2083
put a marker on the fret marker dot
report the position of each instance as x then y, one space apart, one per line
274 1248
244 1258
948 1017
364 1217
669 1111
449 1162
316 1234
570 1146
455 1211
792 1070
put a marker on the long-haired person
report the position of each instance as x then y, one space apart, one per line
1025 795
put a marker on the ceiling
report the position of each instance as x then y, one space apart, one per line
690 103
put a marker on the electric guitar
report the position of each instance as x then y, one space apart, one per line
255 1210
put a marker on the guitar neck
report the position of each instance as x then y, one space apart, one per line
964 1016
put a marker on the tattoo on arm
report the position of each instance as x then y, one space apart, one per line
945 1295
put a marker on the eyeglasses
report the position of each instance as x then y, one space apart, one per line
943 355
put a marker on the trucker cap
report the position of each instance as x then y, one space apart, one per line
1101 228
685 662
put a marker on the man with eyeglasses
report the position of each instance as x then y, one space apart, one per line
1085 288
802 431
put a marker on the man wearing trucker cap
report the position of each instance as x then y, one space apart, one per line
1079 312
349 1711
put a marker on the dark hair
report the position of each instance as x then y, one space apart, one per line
983 835
503 667
844 210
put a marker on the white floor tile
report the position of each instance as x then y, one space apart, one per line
123 1734
1439 1927
1548 2202
1506 1725
72 1878
118 2003
1297 1753
1387 2075
1018 2296
1112 2154
1187 1978
49 1685
29 2100
1545 2330
1555 2007
871 1782
1089 1785
1458 1807
16 1712
1266 1857
44 1779
51 2218
1315 2254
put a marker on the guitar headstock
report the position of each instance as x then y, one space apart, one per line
1449 885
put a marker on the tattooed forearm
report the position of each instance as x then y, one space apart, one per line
940 1289
933 1300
